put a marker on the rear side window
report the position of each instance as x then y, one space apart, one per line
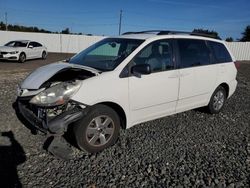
220 52
32 44
37 44
193 53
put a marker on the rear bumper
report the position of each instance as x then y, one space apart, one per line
57 125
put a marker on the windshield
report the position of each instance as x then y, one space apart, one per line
16 44
106 54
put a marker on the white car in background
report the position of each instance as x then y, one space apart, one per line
21 50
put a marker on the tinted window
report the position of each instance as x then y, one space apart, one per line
16 44
193 52
32 44
38 44
220 52
158 55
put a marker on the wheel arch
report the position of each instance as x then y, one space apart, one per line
226 87
22 52
119 111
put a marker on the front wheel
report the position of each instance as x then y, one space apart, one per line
98 130
217 100
22 58
44 55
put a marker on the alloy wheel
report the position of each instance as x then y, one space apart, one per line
100 130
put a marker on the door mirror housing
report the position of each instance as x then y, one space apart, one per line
141 69
31 46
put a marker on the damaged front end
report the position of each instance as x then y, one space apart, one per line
46 103
52 120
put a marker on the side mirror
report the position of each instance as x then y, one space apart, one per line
30 46
141 69
67 60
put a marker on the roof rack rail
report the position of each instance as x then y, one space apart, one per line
188 33
168 32
141 32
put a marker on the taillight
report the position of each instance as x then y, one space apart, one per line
237 64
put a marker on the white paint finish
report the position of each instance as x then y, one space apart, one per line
54 42
153 89
152 92
192 102
232 87
151 113
106 87
195 84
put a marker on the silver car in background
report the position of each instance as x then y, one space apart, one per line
21 50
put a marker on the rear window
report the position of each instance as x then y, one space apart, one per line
193 53
220 52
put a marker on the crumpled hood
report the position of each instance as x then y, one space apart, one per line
44 73
10 49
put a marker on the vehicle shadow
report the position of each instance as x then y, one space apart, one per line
23 120
55 145
11 155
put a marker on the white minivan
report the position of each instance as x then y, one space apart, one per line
122 81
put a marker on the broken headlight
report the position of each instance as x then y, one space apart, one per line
57 94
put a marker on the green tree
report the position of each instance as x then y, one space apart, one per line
2 26
207 32
229 39
22 28
246 34
66 31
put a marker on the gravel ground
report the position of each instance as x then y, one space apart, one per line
190 149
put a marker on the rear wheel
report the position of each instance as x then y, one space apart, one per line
97 130
22 58
217 100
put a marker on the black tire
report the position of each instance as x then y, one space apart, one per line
44 55
86 130
212 106
22 57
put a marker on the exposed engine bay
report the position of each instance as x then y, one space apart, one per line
69 75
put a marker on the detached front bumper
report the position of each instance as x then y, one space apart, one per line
57 125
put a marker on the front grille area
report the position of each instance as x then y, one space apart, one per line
3 53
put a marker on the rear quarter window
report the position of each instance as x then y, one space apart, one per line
38 44
221 54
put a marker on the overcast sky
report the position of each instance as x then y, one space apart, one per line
228 17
